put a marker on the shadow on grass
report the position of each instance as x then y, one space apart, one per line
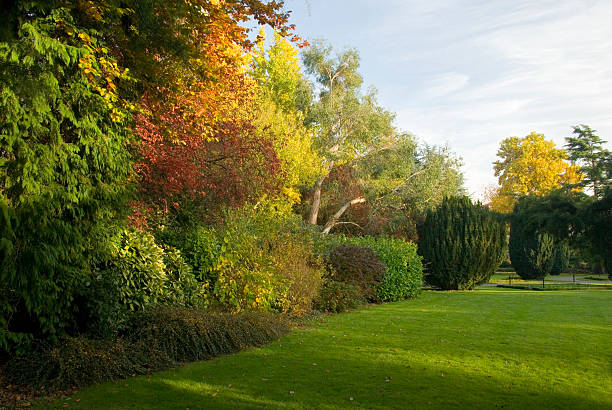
365 382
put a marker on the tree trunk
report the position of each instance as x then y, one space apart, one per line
316 202
316 198
334 219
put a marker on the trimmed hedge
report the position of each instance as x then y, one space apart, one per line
404 273
153 340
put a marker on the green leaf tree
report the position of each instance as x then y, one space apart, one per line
587 150
64 166
349 124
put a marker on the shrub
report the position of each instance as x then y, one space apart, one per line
138 266
404 273
260 258
357 266
182 287
152 340
338 297
561 259
300 270
462 244
203 249
531 252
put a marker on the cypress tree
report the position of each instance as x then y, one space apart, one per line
462 244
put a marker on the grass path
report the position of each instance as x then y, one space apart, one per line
483 349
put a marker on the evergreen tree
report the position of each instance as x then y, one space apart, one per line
462 244
64 166
531 249
586 149
561 259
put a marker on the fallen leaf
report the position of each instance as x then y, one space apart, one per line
214 394
350 398
229 385
291 392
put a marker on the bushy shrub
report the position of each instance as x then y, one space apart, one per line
462 244
561 259
300 270
338 297
358 266
203 249
138 266
531 252
259 258
404 273
152 340
182 287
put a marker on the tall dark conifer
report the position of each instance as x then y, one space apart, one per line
462 244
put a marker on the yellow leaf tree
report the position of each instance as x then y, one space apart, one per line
529 166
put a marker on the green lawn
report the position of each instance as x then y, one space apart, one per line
482 349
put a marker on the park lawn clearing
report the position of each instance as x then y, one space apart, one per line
482 349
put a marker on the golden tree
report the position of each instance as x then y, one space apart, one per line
529 166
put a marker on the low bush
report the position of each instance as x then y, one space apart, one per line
138 266
358 266
182 287
152 340
260 258
404 273
338 297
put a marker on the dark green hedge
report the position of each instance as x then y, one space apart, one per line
153 340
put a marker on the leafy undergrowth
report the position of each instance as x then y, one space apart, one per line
486 349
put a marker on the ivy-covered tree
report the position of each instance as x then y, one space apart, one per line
561 258
462 244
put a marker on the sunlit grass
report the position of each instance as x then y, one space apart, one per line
482 349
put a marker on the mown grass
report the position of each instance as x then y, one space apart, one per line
483 349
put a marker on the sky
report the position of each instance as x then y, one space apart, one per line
469 73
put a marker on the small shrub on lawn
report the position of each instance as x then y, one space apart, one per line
357 266
155 339
338 297
404 273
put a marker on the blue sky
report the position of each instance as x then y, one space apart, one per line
471 73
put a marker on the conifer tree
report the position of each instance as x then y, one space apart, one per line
462 244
